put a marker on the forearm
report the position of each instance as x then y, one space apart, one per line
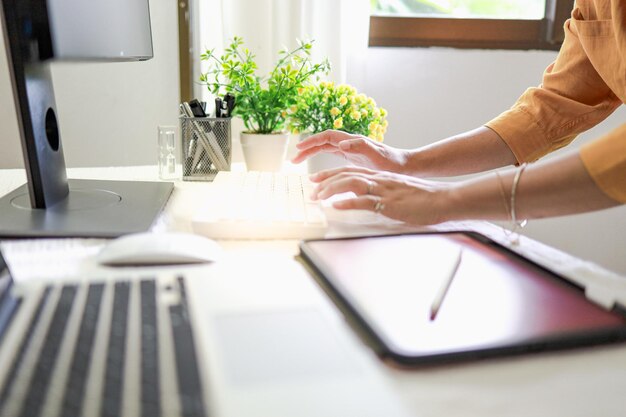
553 188
474 151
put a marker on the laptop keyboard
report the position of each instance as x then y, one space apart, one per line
104 339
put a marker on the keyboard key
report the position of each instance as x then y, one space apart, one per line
28 335
77 378
150 395
49 353
113 379
189 384
8 309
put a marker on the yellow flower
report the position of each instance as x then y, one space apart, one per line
383 112
338 123
351 89
376 113
371 102
356 115
334 111
385 123
364 112
300 90
343 100
293 109
372 127
283 113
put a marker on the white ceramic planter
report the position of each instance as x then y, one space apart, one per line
323 161
264 152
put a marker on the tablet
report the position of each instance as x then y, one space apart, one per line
496 303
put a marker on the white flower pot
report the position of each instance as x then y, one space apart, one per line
323 161
264 152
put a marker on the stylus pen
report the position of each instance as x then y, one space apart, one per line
436 305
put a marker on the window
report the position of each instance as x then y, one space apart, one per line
493 24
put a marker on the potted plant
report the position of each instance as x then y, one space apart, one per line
328 106
261 102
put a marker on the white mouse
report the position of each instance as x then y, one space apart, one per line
159 249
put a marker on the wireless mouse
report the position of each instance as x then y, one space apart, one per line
159 249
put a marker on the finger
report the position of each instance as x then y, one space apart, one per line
307 153
338 185
357 145
327 136
328 173
365 202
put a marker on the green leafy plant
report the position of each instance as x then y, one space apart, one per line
261 102
329 106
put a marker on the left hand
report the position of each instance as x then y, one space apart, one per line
400 197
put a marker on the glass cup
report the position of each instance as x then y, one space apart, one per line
167 149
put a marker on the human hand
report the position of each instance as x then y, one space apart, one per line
357 149
408 199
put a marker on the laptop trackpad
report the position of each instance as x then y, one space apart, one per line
281 346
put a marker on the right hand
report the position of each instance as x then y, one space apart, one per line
401 197
357 149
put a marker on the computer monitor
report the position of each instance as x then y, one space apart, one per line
37 33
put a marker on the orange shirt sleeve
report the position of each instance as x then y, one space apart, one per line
572 98
605 160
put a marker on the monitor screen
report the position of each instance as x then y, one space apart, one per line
100 30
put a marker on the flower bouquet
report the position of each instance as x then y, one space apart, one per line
328 106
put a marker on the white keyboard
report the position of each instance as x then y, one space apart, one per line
260 205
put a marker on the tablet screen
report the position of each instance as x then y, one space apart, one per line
495 299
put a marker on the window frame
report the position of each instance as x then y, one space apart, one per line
546 33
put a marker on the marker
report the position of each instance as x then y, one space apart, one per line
434 307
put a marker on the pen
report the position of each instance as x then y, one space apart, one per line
230 103
219 106
434 307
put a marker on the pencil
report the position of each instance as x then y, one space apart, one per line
434 307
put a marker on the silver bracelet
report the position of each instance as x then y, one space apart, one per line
516 180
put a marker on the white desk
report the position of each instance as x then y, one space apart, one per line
585 382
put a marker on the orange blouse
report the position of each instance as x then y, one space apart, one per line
585 84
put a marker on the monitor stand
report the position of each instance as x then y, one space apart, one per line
93 208
49 205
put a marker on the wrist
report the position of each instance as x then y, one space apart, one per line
416 163
448 203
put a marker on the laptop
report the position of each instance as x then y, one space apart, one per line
224 340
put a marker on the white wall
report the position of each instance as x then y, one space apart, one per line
108 113
432 93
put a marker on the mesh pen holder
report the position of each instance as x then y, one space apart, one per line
206 147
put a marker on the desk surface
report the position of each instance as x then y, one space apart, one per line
583 382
